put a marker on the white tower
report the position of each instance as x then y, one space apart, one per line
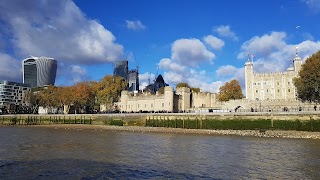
297 61
249 78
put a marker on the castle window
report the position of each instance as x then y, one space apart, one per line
278 83
254 83
288 90
288 83
256 91
162 104
258 83
267 90
151 105
278 90
169 103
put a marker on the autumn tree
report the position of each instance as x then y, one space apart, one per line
109 89
308 82
196 90
82 95
183 84
230 90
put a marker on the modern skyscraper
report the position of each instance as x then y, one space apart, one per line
39 71
121 69
133 80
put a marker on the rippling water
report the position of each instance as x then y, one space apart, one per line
47 153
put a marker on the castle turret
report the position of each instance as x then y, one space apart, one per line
184 98
248 72
297 61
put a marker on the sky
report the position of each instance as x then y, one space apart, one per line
204 43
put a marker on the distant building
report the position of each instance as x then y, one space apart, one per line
131 76
121 69
39 71
133 80
13 94
159 83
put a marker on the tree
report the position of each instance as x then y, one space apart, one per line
230 90
182 84
196 90
308 82
109 89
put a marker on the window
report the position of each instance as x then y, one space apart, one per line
256 91
162 104
151 105
267 90
278 83
288 90
288 83
278 90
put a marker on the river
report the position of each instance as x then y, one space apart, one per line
48 153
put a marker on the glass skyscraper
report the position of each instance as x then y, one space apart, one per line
39 71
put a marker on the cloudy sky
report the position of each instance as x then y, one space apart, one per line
204 43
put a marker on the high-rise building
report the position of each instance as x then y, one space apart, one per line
121 69
39 71
133 80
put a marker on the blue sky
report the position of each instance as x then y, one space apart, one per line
204 43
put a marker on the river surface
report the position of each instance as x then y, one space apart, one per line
48 153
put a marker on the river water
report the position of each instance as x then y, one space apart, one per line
48 153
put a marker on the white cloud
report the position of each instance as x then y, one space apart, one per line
226 70
273 53
77 74
135 25
314 5
144 79
225 31
214 42
187 54
10 69
229 72
57 29
190 52
168 64
264 45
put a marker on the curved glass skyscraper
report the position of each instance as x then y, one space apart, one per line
39 71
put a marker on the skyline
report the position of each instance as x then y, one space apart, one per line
202 43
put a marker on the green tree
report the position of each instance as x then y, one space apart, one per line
230 90
308 82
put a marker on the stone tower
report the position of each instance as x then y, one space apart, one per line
248 72
297 61
184 98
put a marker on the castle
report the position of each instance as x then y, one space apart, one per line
265 92
271 86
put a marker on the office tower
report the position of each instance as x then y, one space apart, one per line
133 80
39 71
121 69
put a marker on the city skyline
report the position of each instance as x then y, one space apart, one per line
202 43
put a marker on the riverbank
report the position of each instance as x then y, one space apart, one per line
255 133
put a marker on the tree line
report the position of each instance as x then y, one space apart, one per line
85 96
